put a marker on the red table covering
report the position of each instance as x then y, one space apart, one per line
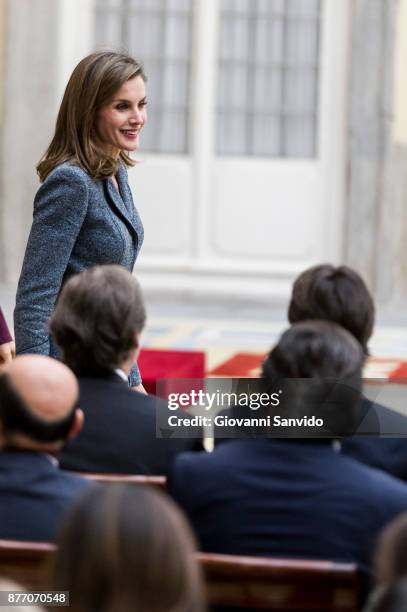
157 364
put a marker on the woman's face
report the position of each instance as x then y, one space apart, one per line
119 122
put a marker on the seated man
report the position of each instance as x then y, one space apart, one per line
340 295
291 497
38 413
97 324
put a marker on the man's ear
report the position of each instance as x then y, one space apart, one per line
77 424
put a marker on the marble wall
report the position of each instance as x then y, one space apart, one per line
376 219
30 71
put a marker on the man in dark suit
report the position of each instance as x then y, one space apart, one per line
291 497
339 294
38 413
97 324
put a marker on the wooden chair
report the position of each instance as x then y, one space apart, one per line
280 584
232 582
26 563
160 482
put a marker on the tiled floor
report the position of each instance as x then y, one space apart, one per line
226 327
221 338
218 338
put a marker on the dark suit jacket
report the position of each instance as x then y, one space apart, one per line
285 498
34 495
119 433
386 453
78 223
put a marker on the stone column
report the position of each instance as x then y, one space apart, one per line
30 60
376 220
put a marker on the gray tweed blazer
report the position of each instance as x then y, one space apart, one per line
78 222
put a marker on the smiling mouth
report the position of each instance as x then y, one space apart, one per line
130 133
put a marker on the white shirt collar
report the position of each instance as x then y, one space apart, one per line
52 459
122 375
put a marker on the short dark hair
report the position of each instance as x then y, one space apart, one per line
315 349
17 418
137 553
336 294
316 368
96 318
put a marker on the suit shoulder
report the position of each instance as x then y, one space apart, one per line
390 422
375 481
181 467
66 184
106 391
68 172
143 402
73 482
387 482
184 462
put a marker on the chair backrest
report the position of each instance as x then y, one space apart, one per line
26 563
155 481
280 584
231 581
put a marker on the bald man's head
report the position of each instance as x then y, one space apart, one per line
38 398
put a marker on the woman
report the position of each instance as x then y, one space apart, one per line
390 594
127 548
7 348
391 552
83 212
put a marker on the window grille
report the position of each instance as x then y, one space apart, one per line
268 78
157 32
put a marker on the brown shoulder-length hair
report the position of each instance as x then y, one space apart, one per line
391 552
125 548
92 84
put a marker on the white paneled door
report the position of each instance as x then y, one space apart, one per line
241 179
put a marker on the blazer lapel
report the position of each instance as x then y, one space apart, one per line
120 202
125 193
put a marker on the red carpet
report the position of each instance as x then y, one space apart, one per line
248 365
241 365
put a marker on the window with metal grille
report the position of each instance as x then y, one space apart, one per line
158 33
268 78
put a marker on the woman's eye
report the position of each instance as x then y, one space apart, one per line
143 103
121 106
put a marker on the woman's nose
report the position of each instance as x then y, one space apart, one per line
136 116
